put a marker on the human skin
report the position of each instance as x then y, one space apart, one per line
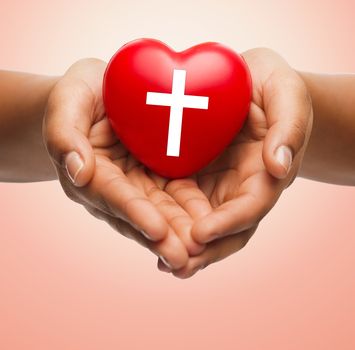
245 182
192 222
330 155
23 99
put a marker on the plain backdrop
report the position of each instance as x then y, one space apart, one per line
67 281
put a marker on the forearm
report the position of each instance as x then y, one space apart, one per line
23 99
330 154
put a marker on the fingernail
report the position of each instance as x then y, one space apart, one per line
73 165
165 262
145 234
284 156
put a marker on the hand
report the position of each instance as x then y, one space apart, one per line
245 182
96 171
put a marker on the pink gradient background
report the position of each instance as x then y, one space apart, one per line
67 281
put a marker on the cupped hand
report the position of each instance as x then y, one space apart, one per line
245 182
221 206
96 171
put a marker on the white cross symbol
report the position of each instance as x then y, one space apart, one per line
177 101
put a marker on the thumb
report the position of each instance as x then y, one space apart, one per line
289 116
66 127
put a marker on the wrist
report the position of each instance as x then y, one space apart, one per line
23 100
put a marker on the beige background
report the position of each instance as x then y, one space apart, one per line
69 282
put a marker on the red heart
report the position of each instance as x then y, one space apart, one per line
211 88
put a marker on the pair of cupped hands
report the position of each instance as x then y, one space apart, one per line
193 222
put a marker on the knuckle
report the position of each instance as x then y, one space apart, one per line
261 52
178 219
174 187
131 203
166 202
194 200
299 132
153 191
89 61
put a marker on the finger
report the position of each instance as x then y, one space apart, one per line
176 217
67 122
215 251
255 198
124 200
118 225
188 195
163 267
289 115
102 136
171 251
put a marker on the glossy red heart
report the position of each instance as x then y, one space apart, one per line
208 87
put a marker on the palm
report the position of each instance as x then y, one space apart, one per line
119 178
229 196
238 185
235 187
237 174
117 189
181 201
238 167
119 172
